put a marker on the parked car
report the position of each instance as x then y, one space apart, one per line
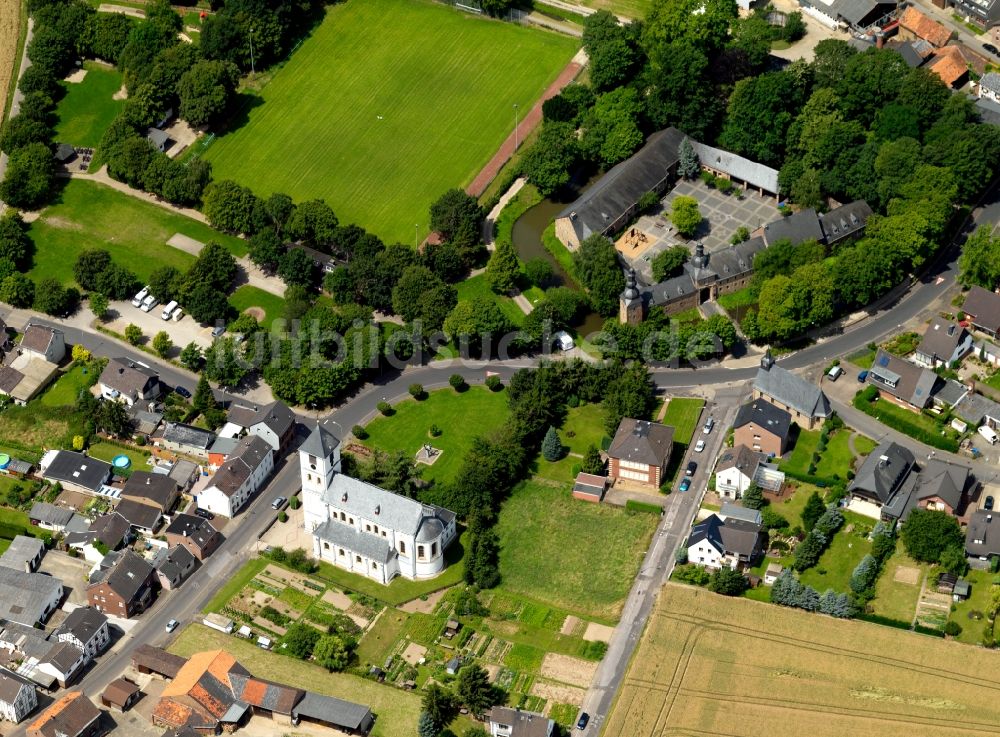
182 391
699 446
581 723
992 49
137 299
863 377
279 502
988 504
834 373
691 468
204 513
149 303
218 330
685 485
172 625
709 424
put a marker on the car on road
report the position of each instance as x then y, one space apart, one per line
582 722
992 49
862 377
988 504
709 424
685 485
172 625
204 513
279 502
218 330
182 391
691 468
699 446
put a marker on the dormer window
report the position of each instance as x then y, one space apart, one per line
344 497
378 508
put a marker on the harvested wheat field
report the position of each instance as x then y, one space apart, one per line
710 665
10 26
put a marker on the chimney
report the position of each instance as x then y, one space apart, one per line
879 40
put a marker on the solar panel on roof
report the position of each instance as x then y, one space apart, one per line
883 361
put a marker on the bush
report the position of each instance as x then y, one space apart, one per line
865 401
690 573
457 382
952 628
294 503
282 516
359 432
385 408
435 431
417 391
133 334
493 383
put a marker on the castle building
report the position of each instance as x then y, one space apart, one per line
362 528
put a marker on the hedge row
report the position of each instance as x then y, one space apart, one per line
821 481
908 428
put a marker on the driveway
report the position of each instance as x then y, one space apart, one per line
181 331
72 572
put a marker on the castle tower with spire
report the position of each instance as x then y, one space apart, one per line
630 302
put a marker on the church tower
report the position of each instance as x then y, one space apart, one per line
319 462
630 302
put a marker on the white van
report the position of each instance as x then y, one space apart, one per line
834 373
989 433
169 309
149 303
178 314
137 299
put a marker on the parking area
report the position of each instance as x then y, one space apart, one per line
181 332
72 572
722 215
288 535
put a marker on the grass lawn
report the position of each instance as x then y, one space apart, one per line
135 233
381 123
477 286
978 601
247 296
107 451
235 584
401 590
409 427
64 390
837 459
88 108
893 598
791 507
682 414
805 445
835 566
378 641
548 542
863 359
35 427
397 709
584 426
739 298
630 8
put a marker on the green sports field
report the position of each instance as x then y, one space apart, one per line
388 104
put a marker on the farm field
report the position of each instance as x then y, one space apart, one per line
635 9
544 553
380 124
713 665
135 233
11 17
88 107
409 427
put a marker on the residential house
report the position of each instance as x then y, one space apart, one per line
110 530
125 589
24 554
589 487
159 138
982 538
186 439
943 486
85 629
127 381
915 25
62 662
982 307
736 470
41 658
984 13
28 598
989 86
198 535
976 410
44 343
365 529
221 448
153 489
951 65
762 426
72 715
805 402
944 343
844 223
174 565
183 472
120 694
143 517
273 422
901 382
18 697
49 516
75 471
506 722
640 452
239 478
609 204
714 542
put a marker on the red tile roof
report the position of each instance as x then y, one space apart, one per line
923 27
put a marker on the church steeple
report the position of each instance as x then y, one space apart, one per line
630 301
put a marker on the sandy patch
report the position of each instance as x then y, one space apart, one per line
30 217
598 632
63 223
362 622
76 76
182 135
185 243
492 670
256 313
422 606
413 653
111 8
568 670
907 574
569 625
192 29
121 94
338 599
185 38
557 692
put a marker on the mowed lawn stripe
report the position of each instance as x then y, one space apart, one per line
443 82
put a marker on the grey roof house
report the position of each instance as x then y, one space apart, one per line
75 471
640 451
944 343
887 479
905 383
127 381
24 554
982 537
732 542
983 310
28 598
187 439
49 516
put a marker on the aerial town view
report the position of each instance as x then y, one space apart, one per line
499 368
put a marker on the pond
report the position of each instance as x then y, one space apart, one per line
527 237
